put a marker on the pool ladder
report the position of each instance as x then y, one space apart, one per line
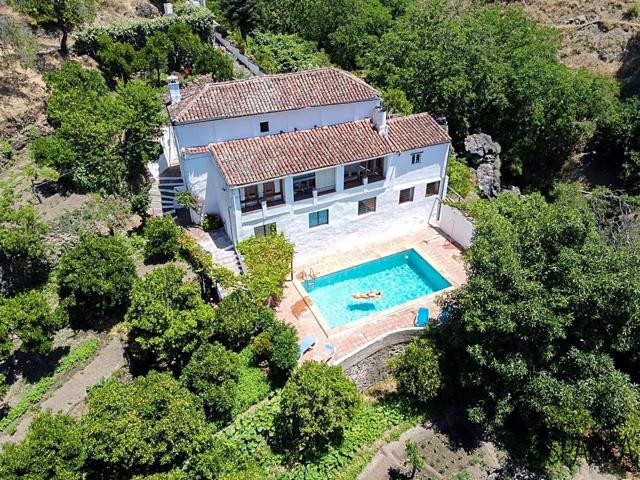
310 277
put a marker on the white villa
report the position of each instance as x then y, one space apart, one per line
310 154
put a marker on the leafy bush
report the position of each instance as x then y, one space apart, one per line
6 150
278 345
95 278
281 53
23 252
459 176
200 261
101 141
416 370
162 236
268 260
145 426
236 320
316 404
30 317
212 374
395 101
253 384
212 222
167 319
52 448
136 32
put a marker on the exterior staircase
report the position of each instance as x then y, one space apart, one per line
170 181
229 258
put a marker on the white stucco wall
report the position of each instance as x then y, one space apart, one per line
456 225
345 225
203 133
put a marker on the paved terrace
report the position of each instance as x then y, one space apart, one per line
432 245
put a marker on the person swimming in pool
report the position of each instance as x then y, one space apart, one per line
367 296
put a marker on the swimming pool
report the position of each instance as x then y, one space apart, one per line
400 277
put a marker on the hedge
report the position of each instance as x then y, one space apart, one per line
200 20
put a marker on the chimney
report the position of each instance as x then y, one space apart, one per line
174 89
442 121
379 120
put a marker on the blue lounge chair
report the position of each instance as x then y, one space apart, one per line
306 343
444 315
332 351
422 317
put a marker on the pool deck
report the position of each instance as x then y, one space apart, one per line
300 311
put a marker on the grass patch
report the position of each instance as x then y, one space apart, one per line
81 353
253 384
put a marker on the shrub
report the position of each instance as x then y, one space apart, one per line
281 53
284 352
459 176
395 100
416 370
633 11
23 251
145 426
316 404
30 317
6 150
212 374
95 278
135 33
268 260
167 319
212 222
261 346
53 448
236 320
162 236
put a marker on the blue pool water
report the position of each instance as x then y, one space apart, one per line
400 277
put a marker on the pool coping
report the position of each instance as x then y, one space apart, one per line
416 302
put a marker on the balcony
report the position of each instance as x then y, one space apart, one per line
250 205
361 173
253 196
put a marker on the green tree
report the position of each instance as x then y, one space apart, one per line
414 459
245 14
417 371
211 60
459 176
63 15
395 100
167 319
95 278
212 374
236 320
317 402
185 46
117 59
282 53
146 426
162 235
23 252
277 344
102 140
539 342
153 58
52 449
491 68
30 318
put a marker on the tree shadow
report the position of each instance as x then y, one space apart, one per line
396 473
31 366
629 71
459 432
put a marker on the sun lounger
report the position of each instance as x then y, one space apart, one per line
332 351
307 343
422 317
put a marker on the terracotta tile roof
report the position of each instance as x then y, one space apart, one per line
258 159
269 93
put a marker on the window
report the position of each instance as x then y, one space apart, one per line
264 127
318 218
265 230
416 158
303 186
406 195
367 205
355 172
432 189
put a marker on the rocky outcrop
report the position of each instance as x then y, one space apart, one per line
484 155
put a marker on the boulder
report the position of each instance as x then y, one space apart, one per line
484 155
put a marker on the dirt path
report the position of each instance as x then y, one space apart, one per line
73 392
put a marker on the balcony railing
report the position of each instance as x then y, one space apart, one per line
356 181
252 204
308 193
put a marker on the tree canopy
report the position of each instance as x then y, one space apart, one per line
540 343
